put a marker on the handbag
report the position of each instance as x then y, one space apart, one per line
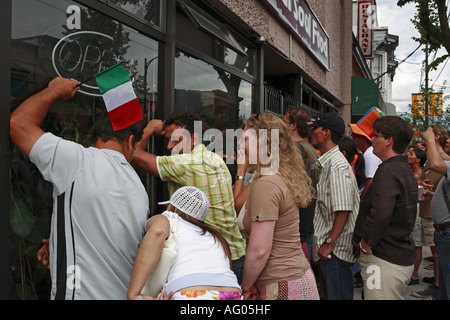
159 275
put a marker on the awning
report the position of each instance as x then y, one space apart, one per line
365 95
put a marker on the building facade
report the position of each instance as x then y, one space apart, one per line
377 48
223 59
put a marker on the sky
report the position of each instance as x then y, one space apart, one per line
409 74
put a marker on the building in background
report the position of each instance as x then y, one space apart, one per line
378 48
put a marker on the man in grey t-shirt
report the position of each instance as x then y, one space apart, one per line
440 213
100 205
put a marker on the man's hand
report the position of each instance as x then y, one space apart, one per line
155 127
25 122
43 254
63 88
428 135
428 189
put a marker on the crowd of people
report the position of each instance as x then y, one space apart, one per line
334 203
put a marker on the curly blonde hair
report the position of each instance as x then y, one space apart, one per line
291 167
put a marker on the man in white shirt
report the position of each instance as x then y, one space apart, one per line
362 138
100 205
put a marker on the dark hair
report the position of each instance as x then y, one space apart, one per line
421 155
349 146
103 129
300 116
397 128
183 119
335 137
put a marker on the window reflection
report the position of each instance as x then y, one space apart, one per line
146 10
62 38
223 100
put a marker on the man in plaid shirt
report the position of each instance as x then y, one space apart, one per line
191 164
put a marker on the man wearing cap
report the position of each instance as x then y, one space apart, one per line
191 164
362 133
336 209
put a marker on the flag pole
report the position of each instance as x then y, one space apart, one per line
85 81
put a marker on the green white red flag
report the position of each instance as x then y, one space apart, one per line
120 99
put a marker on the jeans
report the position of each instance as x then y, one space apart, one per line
337 276
442 242
237 267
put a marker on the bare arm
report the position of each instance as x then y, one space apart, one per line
241 194
436 163
26 120
258 251
339 224
143 159
148 254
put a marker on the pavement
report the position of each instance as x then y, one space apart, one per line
426 252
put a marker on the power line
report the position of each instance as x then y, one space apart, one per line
446 61
409 55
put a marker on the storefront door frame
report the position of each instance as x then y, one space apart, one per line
5 57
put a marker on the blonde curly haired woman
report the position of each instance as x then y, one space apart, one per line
275 265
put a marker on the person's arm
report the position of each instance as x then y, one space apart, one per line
434 159
258 251
367 184
384 193
340 220
26 120
143 159
240 194
148 255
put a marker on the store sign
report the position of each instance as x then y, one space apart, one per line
82 54
301 19
366 15
78 54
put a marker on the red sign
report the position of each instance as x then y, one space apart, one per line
366 15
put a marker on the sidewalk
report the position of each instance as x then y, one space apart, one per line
426 252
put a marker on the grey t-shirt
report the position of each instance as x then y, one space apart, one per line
439 211
99 213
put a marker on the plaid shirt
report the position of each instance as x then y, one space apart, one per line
337 190
207 171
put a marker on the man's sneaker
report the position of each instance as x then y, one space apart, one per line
424 294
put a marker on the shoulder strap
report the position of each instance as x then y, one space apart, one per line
173 220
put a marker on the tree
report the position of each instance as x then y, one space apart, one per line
431 20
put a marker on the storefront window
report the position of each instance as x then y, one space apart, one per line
201 31
148 11
223 100
62 38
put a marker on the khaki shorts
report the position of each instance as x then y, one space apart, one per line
423 233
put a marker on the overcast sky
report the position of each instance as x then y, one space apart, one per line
410 73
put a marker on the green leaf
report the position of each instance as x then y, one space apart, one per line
21 219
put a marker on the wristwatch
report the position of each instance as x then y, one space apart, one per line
329 241
239 178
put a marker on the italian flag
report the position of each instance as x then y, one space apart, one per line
117 92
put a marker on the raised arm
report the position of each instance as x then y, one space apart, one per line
436 163
143 159
26 120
